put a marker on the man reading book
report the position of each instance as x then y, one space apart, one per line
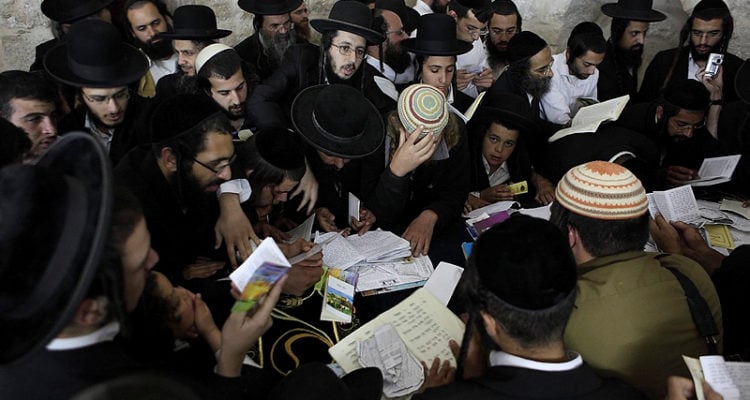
520 289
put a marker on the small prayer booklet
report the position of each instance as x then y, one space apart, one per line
735 206
676 204
255 277
474 105
302 231
338 298
590 117
353 207
716 170
731 379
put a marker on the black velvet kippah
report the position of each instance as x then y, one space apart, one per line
688 95
179 115
524 45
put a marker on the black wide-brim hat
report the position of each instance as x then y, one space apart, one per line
80 232
93 55
352 17
742 81
194 22
67 11
511 108
338 120
436 36
634 10
269 7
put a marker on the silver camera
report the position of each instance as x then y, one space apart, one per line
713 64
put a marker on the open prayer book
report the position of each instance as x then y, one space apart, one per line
372 247
731 379
258 273
590 117
676 204
716 170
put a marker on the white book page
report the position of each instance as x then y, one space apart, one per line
268 252
443 281
676 204
716 374
383 275
339 253
493 208
605 111
353 208
302 231
740 373
718 167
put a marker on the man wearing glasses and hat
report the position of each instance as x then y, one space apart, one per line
389 58
339 59
103 68
618 73
194 29
708 30
264 50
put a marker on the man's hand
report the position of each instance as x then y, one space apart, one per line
267 230
242 330
665 235
366 221
714 84
202 268
437 374
411 152
306 273
326 220
679 388
474 202
309 186
205 325
496 193
678 176
678 237
484 79
234 228
545 190
419 232
463 78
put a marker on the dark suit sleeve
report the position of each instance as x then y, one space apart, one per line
654 77
452 184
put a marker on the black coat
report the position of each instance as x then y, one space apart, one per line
251 50
270 103
656 73
615 79
734 138
522 383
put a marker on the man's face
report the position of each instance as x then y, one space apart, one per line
38 119
108 106
498 144
438 71
705 37
138 258
502 28
230 93
334 161
211 167
145 22
584 66
634 37
395 56
277 27
273 194
683 125
346 65
468 28
539 73
187 52
300 16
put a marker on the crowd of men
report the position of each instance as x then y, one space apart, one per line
143 160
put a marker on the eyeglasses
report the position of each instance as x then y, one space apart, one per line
122 95
288 25
710 34
682 126
399 32
218 168
500 32
473 30
346 50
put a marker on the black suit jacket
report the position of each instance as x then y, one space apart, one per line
615 79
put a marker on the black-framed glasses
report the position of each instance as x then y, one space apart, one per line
121 95
683 126
346 50
220 167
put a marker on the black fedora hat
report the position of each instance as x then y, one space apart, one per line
195 22
43 283
67 11
635 10
511 108
269 7
338 120
94 55
436 36
742 81
352 17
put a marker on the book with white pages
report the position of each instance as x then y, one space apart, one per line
677 204
588 118
490 209
392 275
731 379
716 170
302 231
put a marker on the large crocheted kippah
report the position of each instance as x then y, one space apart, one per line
424 105
602 190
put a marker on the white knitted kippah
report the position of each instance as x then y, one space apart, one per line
602 190
208 53
424 105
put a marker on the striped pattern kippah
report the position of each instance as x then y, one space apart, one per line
602 190
425 105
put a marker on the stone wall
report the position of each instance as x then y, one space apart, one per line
23 26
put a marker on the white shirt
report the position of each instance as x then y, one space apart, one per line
475 60
422 8
405 77
502 359
161 68
559 105
501 174
103 334
693 68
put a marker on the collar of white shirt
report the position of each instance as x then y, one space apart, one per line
502 359
103 334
